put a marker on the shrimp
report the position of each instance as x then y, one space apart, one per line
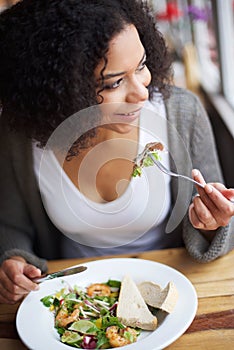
117 338
63 318
100 289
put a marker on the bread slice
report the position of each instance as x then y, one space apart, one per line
132 310
164 299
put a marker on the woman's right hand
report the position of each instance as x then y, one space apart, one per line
15 279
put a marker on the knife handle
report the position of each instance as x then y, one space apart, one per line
62 273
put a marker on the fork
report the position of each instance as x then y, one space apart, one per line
168 172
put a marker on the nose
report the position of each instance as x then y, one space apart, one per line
138 91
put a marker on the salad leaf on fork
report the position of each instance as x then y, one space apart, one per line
143 160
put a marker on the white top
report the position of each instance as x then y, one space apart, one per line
136 219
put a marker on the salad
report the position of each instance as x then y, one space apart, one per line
143 159
86 318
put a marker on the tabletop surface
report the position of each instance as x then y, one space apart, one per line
213 325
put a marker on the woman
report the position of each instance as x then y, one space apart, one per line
84 85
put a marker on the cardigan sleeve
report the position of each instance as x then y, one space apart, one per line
16 229
204 157
188 117
17 243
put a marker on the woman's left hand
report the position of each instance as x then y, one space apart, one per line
212 207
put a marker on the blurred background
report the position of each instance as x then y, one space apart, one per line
200 36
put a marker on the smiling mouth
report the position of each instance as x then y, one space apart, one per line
129 114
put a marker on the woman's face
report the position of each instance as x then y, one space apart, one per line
124 80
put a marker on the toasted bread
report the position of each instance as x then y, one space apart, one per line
132 310
164 299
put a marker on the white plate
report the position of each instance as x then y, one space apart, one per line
35 323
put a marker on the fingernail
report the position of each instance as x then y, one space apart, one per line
209 189
36 287
195 172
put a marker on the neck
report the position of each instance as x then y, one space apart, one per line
98 170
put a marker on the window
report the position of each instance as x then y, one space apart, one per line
209 26
225 33
205 40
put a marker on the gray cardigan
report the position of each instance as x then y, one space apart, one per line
26 230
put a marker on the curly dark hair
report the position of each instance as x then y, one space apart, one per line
50 49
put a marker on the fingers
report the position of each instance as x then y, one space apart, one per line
18 275
200 217
203 205
212 207
4 300
226 192
198 177
194 219
31 271
9 292
219 200
14 281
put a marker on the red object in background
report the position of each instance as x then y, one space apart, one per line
172 12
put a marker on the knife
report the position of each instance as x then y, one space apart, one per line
61 273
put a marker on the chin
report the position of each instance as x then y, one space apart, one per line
120 128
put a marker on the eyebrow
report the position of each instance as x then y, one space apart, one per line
112 75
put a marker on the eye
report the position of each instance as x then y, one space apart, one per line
113 85
141 66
